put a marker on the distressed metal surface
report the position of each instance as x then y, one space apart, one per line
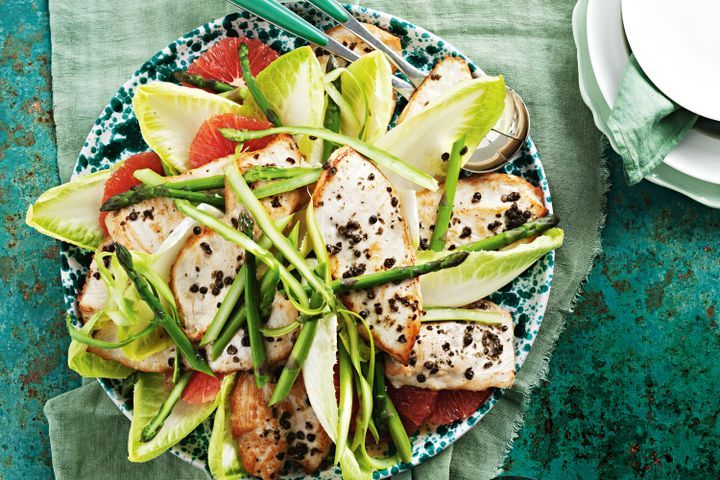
32 350
634 384
633 387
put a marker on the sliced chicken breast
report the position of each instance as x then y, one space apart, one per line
267 437
208 263
308 443
357 210
257 428
94 294
237 356
459 356
485 205
159 362
355 44
447 72
143 227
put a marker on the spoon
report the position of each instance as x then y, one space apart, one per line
508 135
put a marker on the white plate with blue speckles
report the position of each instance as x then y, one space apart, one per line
526 297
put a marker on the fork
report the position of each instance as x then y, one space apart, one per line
291 22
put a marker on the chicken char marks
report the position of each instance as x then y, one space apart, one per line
207 265
269 436
460 355
358 213
485 205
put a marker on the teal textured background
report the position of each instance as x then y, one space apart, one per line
633 386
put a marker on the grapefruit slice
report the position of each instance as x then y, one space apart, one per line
209 144
221 61
201 388
454 405
122 180
413 404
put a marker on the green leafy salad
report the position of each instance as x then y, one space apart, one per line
285 265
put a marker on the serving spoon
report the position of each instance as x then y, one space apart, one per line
499 147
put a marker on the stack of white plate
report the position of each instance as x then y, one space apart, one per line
693 167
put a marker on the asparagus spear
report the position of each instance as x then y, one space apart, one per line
213 182
143 192
297 356
232 326
369 280
332 123
252 306
170 325
268 285
255 91
345 403
286 185
504 239
445 208
233 295
272 173
376 155
388 415
154 426
201 82
263 220
232 235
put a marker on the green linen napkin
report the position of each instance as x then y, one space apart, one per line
644 123
96 45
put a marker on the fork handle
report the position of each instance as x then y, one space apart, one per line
333 9
283 18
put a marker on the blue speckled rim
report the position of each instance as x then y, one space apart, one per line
116 135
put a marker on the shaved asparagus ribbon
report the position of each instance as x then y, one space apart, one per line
266 224
233 294
376 155
232 235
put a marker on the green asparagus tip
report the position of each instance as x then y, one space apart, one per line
124 256
552 220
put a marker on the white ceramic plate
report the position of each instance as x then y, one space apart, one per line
665 176
698 154
676 44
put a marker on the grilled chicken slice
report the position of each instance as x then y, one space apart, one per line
460 355
257 428
446 73
159 362
485 205
354 44
357 210
236 355
308 443
94 294
143 227
208 263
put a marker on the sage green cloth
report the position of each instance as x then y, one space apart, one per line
644 123
97 44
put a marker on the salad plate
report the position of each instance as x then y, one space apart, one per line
117 136
671 39
706 193
696 155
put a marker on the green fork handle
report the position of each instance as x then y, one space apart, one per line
334 9
283 18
